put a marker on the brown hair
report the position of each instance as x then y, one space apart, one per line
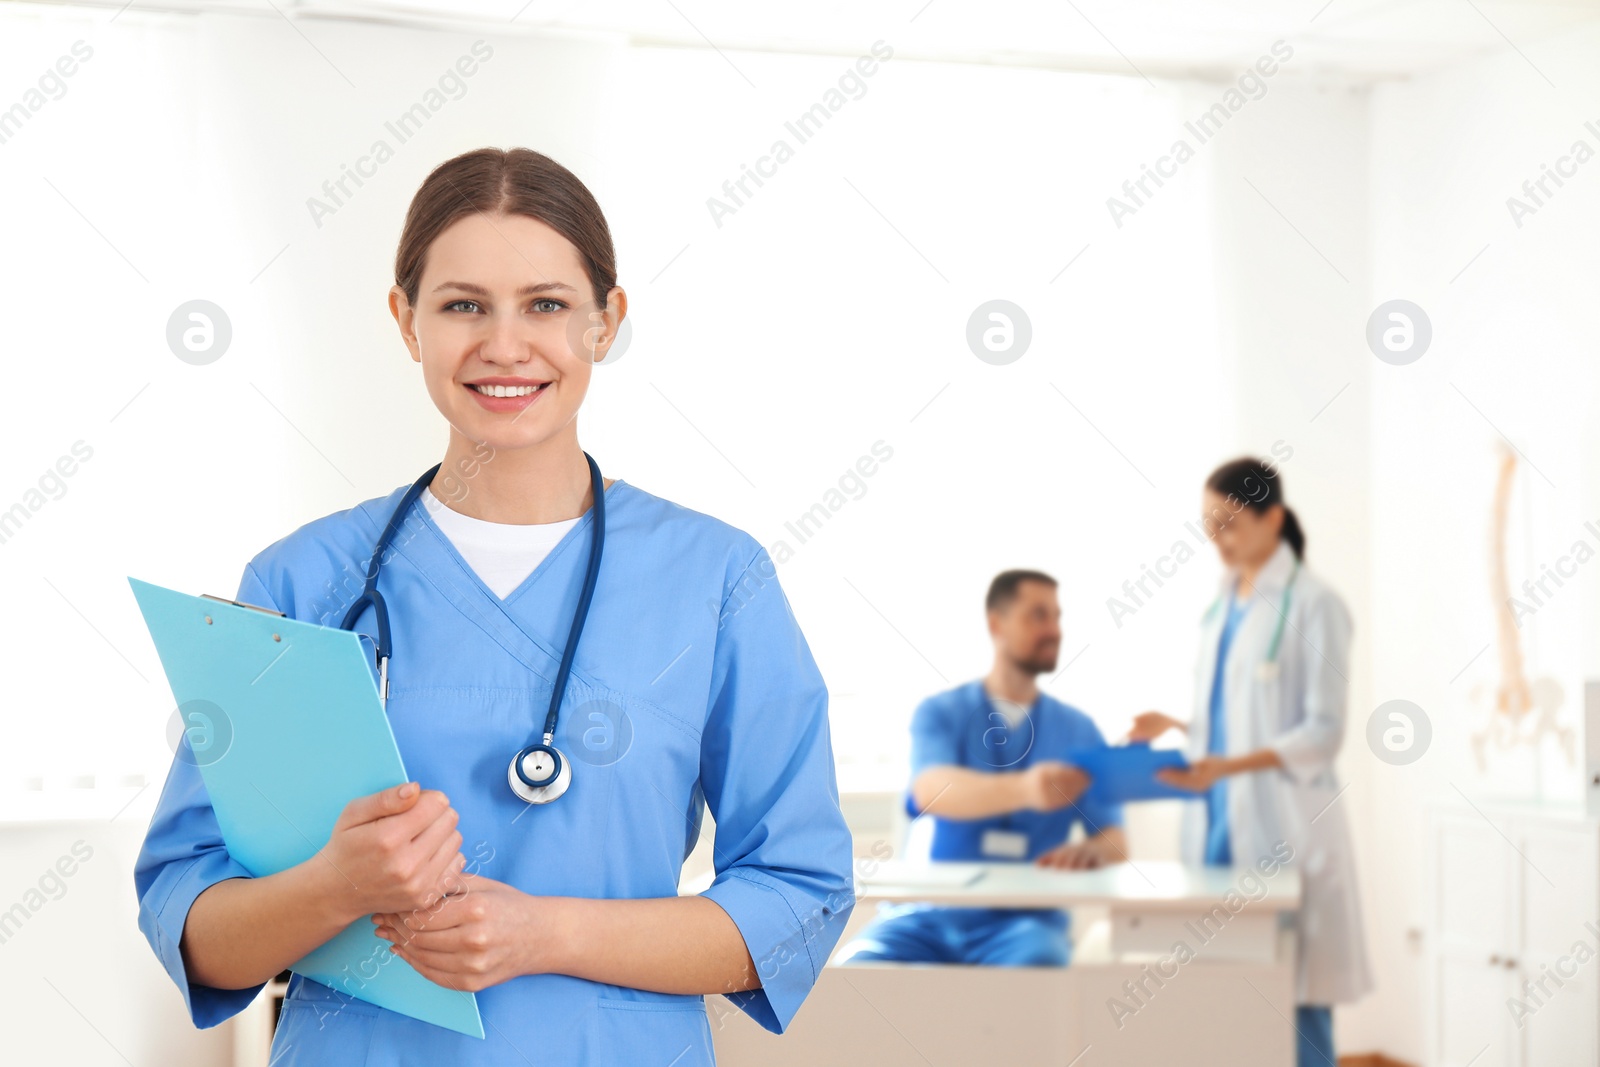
517 181
1003 590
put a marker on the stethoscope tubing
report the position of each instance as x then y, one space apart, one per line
1283 614
370 595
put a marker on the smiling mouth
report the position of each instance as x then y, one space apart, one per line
508 390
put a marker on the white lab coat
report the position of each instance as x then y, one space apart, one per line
1301 715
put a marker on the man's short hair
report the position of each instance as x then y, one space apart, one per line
1003 590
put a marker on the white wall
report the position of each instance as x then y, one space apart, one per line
80 983
768 354
1514 337
196 186
1293 275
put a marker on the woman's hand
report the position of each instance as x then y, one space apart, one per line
396 849
1199 776
484 934
1149 725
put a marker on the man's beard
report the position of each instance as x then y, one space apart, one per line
1042 664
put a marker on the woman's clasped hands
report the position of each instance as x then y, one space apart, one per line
399 853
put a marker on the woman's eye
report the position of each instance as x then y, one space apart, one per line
555 305
460 304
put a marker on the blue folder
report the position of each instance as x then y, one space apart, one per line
296 732
1120 773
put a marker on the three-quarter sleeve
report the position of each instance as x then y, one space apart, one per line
1308 748
782 849
183 855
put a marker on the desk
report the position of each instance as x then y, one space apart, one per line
1129 996
1152 905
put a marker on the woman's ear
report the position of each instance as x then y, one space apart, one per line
405 317
610 324
1275 520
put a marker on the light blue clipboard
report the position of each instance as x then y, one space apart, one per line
297 732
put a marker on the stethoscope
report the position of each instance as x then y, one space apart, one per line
1267 669
539 773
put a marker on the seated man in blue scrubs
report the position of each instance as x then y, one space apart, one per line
988 765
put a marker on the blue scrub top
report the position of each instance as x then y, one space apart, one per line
692 690
961 726
1219 846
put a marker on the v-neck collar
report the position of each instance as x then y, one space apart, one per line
460 585
580 528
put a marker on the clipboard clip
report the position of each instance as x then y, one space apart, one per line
242 604
382 661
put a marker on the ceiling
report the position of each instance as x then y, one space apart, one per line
1361 40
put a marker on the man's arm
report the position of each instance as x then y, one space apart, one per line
953 792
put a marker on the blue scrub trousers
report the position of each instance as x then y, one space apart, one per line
995 937
1314 1040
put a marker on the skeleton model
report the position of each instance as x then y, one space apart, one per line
1514 711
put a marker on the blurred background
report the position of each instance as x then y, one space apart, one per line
259 157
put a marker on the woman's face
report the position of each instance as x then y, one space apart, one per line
504 300
1244 537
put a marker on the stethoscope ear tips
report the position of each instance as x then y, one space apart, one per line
539 774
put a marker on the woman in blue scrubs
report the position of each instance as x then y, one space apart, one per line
692 689
1270 693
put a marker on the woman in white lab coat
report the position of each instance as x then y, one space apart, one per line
1265 733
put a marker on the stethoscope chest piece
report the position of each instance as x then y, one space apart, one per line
539 774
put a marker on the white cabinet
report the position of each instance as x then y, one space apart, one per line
1513 965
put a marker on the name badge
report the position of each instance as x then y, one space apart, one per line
1004 844
1267 670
